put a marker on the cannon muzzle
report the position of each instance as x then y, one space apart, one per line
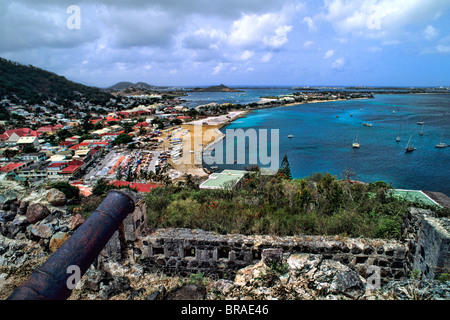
50 280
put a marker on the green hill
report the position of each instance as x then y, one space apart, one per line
36 85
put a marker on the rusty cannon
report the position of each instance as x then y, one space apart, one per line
52 280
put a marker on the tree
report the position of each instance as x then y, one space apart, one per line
176 122
100 188
122 138
10 153
29 149
285 170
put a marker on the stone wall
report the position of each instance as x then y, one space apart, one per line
424 246
427 239
186 251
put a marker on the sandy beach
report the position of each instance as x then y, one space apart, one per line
194 138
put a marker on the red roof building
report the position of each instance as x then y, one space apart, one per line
13 167
142 124
21 132
140 187
67 144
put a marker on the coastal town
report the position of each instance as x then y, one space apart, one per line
131 140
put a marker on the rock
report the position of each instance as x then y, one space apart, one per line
91 280
223 286
23 207
114 286
77 220
18 253
247 275
57 240
272 257
346 281
7 198
56 197
304 276
136 293
153 296
6 216
43 231
411 289
36 212
189 292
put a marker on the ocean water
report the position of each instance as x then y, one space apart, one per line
324 133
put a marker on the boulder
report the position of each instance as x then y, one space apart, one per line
114 286
189 292
23 207
43 231
303 276
56 198
77 220
36 212
57 241
6 216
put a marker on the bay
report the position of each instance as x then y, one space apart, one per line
323 134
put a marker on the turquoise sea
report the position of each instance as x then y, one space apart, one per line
324 133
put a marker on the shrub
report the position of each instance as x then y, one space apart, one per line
70 191
317 205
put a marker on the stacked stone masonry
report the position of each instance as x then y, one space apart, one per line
424 246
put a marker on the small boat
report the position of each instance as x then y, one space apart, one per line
367 124
421 131
290 136
355 144
409 147
441 144
393 111
420 123
398 139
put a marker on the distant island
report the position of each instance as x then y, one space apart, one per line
220 88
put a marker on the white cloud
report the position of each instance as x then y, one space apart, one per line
218 68
443 49
267 57
374 49
252 30
329 54
380 19
279 39
308 44
338 64
310 23
247 54
430 32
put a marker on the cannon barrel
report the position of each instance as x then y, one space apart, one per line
50 280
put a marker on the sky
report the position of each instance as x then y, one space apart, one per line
234 42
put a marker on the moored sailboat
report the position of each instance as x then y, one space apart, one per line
441 144
398 139
409 147
355 144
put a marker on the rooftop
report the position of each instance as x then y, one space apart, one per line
223 179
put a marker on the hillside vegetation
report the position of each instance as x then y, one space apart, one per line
317 205
36 85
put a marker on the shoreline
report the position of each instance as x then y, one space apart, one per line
212 126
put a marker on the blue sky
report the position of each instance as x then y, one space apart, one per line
235 42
